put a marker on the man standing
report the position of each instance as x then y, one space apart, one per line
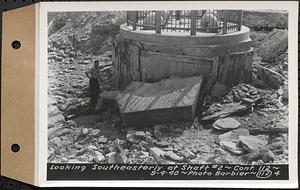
93 75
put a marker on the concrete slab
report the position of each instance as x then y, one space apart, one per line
143 104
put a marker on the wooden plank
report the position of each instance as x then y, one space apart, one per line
235 67
116 65
215 68
268 131
248 66
225 111
222 73
134 62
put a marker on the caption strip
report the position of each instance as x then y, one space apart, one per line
167 172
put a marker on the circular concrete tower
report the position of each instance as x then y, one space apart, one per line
155 45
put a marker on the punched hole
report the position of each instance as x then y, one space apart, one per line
15 148
16 44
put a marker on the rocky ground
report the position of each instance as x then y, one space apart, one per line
246 124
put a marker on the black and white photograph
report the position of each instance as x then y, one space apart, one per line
185 94
168 87
159 88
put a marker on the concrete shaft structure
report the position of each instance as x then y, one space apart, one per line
143 55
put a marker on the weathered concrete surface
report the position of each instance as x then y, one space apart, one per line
201 38
164 101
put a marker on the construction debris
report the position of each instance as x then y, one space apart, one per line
242 92
171 155
252 143
275 43
218 91
230 140
268 131
224 111
157 153
270 77
55 117
226 124
233 136
265 19
187 153
231 147
264 155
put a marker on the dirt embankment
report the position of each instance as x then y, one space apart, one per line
265 19
87 32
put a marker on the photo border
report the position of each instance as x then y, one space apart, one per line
42 82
